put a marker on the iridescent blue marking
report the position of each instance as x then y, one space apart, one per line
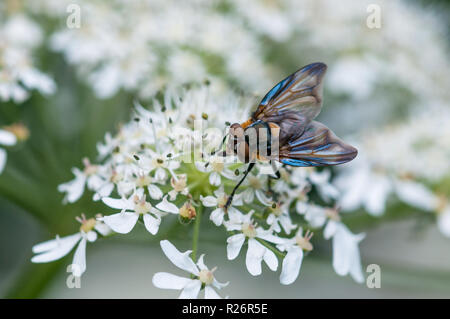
298 163
274 91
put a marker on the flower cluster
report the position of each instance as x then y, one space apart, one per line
143 45
157 166
19 36
378 74
410 160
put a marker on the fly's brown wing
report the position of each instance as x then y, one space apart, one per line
317 146
298 96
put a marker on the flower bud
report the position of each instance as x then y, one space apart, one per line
187 211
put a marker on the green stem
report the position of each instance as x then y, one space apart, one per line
268 246
196 235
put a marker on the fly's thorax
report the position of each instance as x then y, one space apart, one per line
255 141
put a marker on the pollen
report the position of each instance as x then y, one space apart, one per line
206 276
333 214
142 207
179 184
217 166
20 131
116 177
254 182
89 169
249 230
143 180
188 211
305 241
441 204
86 224
222 201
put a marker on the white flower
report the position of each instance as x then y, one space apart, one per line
190 288
353 76
8 139
416 194
74 189
57 248
219 201
256 251
179 185
279 216
361 186
294 256
192 66
134 206
217 167
18 37
256 189
160 163
346 258
322 181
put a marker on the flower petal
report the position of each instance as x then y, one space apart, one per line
102 228
181 260
103 191
254 257
165 280
376 196
291 265
270 259
79 259
168 207
7 138
55 249
234 246
208 201
443 222
214 179
91 236
191 290
75 187
155 192
219 285
151 223
248 195
416 194
2 159
200 263
263 198
217 216
346 258
121 223
330 229
210 293
118 203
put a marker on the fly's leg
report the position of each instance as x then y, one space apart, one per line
221 146
270 178
230 198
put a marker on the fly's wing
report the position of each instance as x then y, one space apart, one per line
301 92
317 146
